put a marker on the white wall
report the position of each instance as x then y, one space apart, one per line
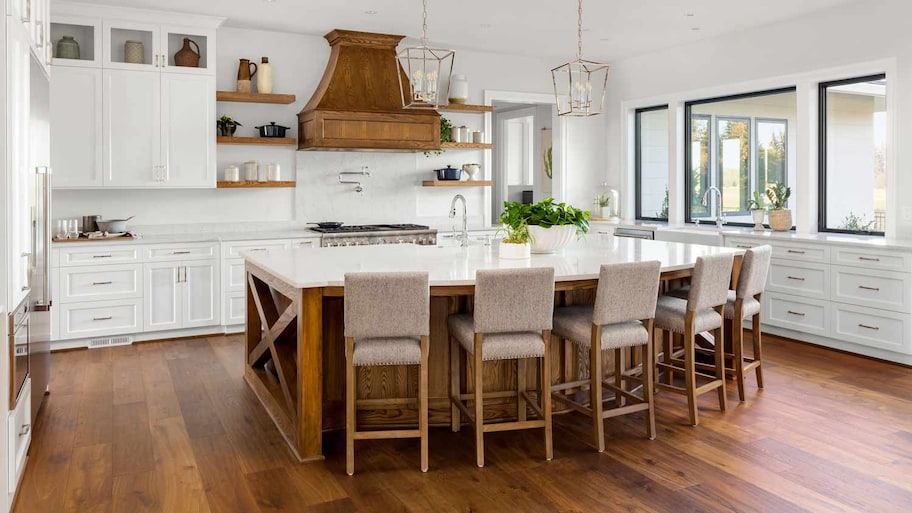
844 36
392 192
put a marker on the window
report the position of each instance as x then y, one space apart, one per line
651 129
737 145
853 145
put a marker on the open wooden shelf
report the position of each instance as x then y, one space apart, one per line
254 185
231 96
457 183
465 146
464 107
269 141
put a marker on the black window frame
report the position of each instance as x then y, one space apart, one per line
688 116
637 164
822 151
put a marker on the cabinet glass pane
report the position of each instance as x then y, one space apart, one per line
131 46
194 42
76 42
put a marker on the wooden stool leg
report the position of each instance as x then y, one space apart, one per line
595 387
350 410
648 385
618 375
423 403
758 350
720 365
455 388
690 378
544 392
738 349
667 349
479 406
520 389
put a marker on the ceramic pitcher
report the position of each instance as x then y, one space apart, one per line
186 56
244 69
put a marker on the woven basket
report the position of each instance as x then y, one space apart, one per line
780 220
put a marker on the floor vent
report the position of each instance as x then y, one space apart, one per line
110 341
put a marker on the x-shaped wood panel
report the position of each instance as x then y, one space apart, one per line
278 339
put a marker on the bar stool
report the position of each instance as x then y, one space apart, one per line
701 311
622 317
386 323
743 302
511 321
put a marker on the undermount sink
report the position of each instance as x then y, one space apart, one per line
708 235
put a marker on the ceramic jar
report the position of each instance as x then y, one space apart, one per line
232 174
67 48
251 171
273 172
459 89
134 52
264 77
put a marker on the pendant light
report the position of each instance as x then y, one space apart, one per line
424 77
579 85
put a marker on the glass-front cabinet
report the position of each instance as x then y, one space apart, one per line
169 49
76 41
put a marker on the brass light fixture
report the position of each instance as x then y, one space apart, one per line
579 85
427 73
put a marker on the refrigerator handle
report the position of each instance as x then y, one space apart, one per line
42 240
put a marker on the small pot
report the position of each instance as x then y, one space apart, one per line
514 251
227 130
780 220
448 173
272 130
328 224
113 225
757 215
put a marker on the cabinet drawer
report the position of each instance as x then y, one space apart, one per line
862 257
235 275
796 313
96 283
235 309
237 249
100 318
873 328
869 287
19 432
99 256
182 252
799 278
305 243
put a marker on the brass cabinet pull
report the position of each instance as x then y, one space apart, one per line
875 289
102 282
102 256
796 278
180 252
25 429
795 251
797 313
869 259
108 318
865 326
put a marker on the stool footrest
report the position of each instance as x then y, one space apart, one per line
383 435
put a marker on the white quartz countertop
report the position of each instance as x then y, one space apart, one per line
453 266
189 238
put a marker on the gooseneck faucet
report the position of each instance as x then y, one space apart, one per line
719 217
464 236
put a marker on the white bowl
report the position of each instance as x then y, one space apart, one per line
549 240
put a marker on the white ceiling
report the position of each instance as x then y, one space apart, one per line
614 29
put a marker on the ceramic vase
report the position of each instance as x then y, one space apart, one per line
186 56
472 170
758 219
459 89
67 48
134 52
549 240
514 251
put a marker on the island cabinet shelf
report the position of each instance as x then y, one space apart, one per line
268 141
465 146
457 183
232 96
463 107
254 185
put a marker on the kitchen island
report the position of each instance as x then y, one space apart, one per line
294 332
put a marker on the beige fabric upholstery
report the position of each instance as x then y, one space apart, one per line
496 346
387 351
709 284
754 268
751 306
386 305
574 323
670 313
513 300
626 292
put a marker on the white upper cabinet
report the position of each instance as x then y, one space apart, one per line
132 129
188 130
76 41
179 44
76 104
132 46
21 174
34 16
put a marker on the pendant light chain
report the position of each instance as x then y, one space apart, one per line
424 41
579 31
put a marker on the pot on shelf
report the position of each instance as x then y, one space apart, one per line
448 173
549 240
780 220
757 215
67 48
272 130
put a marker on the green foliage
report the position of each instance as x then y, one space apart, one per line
857 223
778 195
755 203
603 200
225 122
513 219
664 213
546 214
446 135
549 163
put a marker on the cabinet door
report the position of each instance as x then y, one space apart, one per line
132 128
22 178
76 127
162 296
197 40
131 46
201 294
188 130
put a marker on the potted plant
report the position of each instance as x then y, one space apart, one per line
551 225
755 205
515 243
780 217
227 126
603 202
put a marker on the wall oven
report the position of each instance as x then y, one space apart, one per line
18 350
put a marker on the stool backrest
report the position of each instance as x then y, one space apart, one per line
626 292
754 268
387 305
710 281
511 300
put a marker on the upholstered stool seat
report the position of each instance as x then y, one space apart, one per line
370 352
751 306
575 323
671 311
496 346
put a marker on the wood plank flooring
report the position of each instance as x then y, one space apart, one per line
171 427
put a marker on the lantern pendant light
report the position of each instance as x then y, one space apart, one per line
579 85
424 77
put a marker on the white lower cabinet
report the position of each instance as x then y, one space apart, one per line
181 294
201 294
19 426
871 327
100 318
235 308
94 283
162 284
806 315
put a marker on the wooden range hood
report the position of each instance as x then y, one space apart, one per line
358 104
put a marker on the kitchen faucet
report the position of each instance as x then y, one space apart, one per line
358 188
464 236
720 217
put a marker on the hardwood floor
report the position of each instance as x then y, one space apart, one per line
171 427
